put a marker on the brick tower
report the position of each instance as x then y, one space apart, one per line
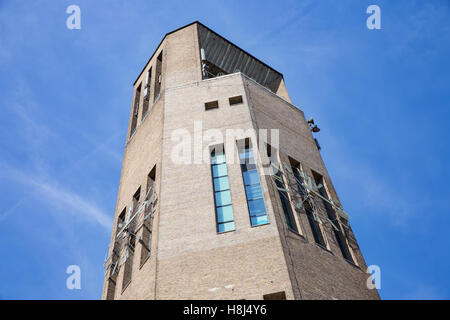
201 212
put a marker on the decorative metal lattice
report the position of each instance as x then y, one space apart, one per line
139 215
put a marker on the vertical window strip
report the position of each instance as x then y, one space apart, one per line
147 225
145 107
314 224
340 238
253 191
135 114
285 202
222 195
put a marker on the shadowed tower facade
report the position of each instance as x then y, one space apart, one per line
207 207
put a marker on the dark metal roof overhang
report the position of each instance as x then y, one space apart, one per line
229 57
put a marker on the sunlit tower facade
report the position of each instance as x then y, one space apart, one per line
199 215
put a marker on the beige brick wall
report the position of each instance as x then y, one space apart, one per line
188 224
321 274
189 259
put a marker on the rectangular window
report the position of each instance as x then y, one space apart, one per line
211 105
115 259
134 119
285 202
128 265
235 100
253 191
222 195
136 197
275 296
313 223
145 107
131 244
340 238
147 226
121 221
158 77
283 194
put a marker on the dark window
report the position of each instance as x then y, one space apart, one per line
212 71
275 296
130 244
283 194
235 100
114 259
211 105
137 98
128 265
158 76
136 197
148 82
253 191
314 224
147 227
121 220
340 238
222 195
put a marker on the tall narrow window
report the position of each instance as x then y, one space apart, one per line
333 217
282 193
137 98
158 76
147 93
128 268
147 226
114 259
131 243
136 197
121 220
313 223
222 195
253 191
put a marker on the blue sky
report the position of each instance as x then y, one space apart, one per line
380 97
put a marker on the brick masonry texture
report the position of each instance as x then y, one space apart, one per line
189 259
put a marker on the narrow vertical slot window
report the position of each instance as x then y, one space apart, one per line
253 191
282 189
340 238
222 195
148 82
285 202
158 77
131 241
147 225
114 259
282 192
313 223
134 119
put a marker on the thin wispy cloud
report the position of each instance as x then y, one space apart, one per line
78 205
58 197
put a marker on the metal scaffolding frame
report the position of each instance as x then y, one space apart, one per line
308 194
135 220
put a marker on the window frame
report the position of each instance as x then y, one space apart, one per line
215 150
247 146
